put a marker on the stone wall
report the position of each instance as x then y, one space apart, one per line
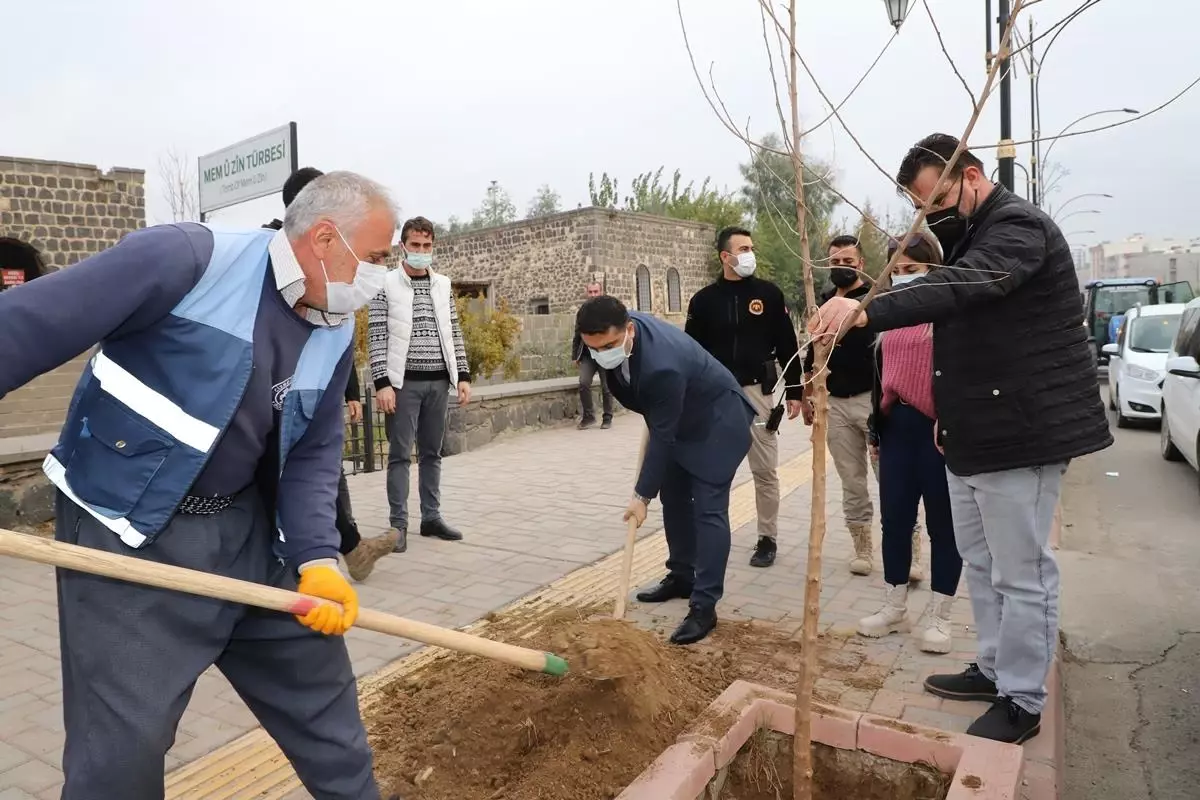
545 345
68 211
551 259
26 497
497 410
40 406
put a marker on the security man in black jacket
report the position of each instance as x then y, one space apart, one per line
743 322
1017 399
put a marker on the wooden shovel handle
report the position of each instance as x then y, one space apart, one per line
163 576
630 541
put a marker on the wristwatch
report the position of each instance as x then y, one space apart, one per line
644 501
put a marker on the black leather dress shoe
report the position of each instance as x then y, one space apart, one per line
439 529
698 623
669 588
764 552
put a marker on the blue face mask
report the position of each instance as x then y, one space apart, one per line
900 280
613 357
419 260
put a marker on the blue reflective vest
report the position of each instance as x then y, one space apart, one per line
151 406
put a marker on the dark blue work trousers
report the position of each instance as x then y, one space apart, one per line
912 470
696 523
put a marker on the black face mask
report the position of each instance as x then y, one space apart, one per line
949 225
842 278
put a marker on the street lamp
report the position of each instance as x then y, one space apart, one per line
1068 202
1076 213
1077 233
1072 124
897 10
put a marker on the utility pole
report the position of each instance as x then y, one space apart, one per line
1007 151
1034 126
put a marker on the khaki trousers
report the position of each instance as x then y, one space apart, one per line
847 439
764 463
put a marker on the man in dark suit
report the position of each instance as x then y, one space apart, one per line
699 424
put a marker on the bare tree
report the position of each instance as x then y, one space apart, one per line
786 56
178 175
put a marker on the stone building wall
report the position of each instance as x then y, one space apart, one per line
550 259
68 211
65 212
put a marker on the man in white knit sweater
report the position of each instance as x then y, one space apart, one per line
416 351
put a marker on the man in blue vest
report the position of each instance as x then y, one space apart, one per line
699 423
201 434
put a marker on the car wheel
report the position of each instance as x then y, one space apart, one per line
1122 420
1167 447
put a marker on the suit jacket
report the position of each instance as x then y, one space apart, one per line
695 410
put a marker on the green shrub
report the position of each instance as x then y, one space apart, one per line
490 338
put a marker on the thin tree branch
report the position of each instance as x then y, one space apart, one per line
1127 121
787 141
942 42
854 88
695 71
1057 27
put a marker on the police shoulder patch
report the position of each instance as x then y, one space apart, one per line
756 306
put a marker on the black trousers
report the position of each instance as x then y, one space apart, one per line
346 525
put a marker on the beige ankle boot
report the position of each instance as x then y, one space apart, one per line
861 563
916 569
937 636
361 560
891 618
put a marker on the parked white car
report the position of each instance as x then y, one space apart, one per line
1137 361
1181 392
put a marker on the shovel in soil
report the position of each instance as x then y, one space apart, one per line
163 576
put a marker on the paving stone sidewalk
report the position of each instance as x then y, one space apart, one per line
533 507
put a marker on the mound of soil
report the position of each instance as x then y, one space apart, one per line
763 771
471 729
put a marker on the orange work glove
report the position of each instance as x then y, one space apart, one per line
326 581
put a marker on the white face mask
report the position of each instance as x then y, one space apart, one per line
900 280
419 260
346 298
613 357
745 264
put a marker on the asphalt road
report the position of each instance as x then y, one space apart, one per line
1130 558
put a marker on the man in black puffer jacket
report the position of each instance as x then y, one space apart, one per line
1017 399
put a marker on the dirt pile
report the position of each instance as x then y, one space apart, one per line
470 729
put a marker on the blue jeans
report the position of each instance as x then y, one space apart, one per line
911 470
1002 522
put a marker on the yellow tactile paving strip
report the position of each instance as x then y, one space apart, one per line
251 767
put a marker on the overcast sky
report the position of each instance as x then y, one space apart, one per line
436 99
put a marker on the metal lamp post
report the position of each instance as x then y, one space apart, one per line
1070 200
1077 213
1006 152
1073 123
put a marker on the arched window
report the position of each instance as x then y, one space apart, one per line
674 296
643 289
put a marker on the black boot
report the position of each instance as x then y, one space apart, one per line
698 623
1007 722
970 684
764 552
439 529
669 588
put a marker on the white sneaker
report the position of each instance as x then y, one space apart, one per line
916 569
891 618
937 636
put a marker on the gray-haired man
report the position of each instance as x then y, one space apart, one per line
206 432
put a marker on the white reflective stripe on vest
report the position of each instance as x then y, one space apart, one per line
122 527
163 412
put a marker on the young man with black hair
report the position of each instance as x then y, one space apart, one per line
699 432
743 322
850 381
417 354
1012 413
360 554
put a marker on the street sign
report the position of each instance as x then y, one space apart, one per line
12 277
253 167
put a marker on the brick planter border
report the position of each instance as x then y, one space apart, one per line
981 769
